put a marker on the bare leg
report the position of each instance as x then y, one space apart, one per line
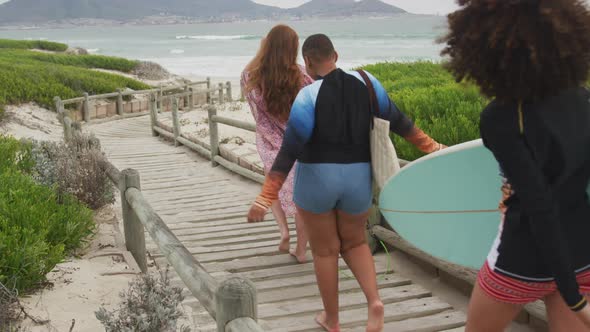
561 318
488 315
301 249
281 219
357 254
325 247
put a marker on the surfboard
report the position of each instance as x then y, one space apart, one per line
446 203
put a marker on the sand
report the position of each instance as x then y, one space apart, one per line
31 121
79 286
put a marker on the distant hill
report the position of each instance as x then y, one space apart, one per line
40 11
345 8
44 11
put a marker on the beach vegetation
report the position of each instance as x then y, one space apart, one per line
33 44
429 95
30 76
150 304
39 224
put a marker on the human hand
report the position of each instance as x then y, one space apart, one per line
584 316
256 213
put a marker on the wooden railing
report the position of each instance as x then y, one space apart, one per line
119 107
210 151
231 302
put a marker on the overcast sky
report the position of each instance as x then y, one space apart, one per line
413 6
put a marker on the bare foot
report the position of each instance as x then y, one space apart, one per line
376 313
301 258
285 244
321 319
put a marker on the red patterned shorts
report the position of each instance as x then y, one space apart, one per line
513 291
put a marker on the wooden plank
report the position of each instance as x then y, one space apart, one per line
312 291
223 230
216 205
230 234
358 317
250 264
246 239
347 301
198 226
275 273
438 322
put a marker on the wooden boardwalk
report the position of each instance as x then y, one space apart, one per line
206 207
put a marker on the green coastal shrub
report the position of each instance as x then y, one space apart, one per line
26 78
39 226
83 61
33 44
428 94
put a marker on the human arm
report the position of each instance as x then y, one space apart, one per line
399 123
500 132
299 130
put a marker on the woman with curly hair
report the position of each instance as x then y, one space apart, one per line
270 83
532 57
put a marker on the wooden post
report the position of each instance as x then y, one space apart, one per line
208 90
120 109
59 109
154 113
160 95
229 93
86 108
134 233
185 100
221 93
191 99
67 128
175 122
235 298
213 134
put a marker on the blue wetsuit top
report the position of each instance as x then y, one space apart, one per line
330 122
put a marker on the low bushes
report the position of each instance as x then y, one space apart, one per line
74 168
46 190
33 44
38 226
428 94
150 304
84 61
29 76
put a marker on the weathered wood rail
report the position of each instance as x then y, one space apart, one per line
84 108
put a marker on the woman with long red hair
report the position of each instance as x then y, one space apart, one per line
270 83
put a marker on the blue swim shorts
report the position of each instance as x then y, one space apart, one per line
320 188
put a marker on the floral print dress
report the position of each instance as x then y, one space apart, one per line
269 137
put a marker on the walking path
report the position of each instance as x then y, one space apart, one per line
206 207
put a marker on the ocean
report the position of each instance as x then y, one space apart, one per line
221 50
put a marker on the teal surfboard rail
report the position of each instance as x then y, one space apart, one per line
446 203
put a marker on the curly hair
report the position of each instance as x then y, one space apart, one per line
520 50
275 72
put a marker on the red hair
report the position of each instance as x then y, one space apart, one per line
275 73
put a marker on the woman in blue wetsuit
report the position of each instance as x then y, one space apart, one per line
328 134
532 57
